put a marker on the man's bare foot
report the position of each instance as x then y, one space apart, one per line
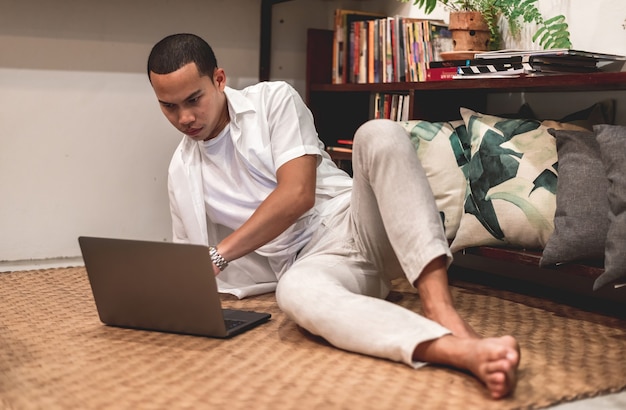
494 361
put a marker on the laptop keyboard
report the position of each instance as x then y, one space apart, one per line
230 323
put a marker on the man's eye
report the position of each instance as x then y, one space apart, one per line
193 100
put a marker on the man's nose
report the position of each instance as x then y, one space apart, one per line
186 117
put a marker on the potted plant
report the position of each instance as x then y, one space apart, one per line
551 33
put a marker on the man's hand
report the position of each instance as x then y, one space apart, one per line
216 270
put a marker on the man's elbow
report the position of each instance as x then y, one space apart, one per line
305 201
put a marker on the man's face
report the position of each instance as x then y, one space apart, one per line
194 104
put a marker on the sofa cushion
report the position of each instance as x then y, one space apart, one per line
602 112
443 148
581 219
512 178
612 141
525 111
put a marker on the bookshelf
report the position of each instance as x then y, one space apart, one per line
339 109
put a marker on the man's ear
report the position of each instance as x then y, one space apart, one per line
219 78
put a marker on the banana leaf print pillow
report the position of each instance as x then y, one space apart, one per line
512 175
443 148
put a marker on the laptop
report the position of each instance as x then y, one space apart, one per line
160 286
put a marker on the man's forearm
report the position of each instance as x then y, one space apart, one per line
294 195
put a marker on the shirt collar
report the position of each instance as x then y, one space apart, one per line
237 102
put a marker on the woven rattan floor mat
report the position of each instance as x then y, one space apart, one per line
55 354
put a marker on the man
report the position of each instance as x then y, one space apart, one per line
251 179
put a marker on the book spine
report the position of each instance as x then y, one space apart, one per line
370 51
389 74
377 51
440 73
338 47
363 42
451 63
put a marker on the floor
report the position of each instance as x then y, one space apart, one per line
615 401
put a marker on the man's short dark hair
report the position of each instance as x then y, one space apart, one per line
177 50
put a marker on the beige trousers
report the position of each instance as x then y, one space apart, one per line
337 285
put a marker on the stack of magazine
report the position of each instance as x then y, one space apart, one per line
515 63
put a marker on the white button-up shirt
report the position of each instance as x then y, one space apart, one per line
269 126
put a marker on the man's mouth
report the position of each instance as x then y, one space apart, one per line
192 132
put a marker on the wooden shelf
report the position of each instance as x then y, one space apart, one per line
546 83
339 109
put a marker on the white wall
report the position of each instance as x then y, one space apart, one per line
291 20
596 26
84 148
81 153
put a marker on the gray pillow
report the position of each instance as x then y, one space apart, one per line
612 141
581 218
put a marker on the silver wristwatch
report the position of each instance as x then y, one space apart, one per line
217 259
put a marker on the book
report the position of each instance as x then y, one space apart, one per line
563 52
341 61
400 53
441 73
484 61
389 67
362 51
499 63
338 149
371 63
406 108
455 63
440 39
500 74
393 109
379 50
500 68
377 104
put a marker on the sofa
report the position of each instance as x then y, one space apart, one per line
533 199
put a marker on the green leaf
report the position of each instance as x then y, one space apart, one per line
538 33
427 5
558 18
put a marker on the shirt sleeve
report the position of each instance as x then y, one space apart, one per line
292 129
